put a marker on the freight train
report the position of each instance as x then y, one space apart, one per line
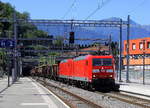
88 72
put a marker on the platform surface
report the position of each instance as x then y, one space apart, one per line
3 84
27 93
135 88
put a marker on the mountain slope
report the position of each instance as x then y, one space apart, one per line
136 31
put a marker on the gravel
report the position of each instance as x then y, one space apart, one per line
100 99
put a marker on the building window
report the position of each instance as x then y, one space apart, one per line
133 46
148 45
141 45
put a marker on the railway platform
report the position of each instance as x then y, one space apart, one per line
137 88
27 93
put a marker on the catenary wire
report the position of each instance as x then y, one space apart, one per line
69 9
139 5
98 8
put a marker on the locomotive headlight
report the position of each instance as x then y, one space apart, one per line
110 70
110 75
94 76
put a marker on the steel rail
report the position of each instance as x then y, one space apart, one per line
63 99
148 96
128 99
85 101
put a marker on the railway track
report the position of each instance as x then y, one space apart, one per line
136 94
99 100
71 99
128 98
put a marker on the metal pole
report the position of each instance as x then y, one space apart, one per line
3 53
77 50
120 51
71 31
143 67
72 25
8 77
9 69
15 48
20 67
110 51
143 61
128 51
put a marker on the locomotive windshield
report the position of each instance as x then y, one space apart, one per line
102 62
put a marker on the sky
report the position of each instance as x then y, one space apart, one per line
60 9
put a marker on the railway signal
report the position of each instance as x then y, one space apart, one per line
71 38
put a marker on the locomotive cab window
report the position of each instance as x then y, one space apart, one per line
107 62
102 62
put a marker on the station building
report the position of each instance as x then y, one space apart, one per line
139 50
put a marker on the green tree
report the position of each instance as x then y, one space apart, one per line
59 41
6 11
25 29
114 48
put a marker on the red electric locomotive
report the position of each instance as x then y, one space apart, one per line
89 72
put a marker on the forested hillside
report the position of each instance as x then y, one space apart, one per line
25 30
